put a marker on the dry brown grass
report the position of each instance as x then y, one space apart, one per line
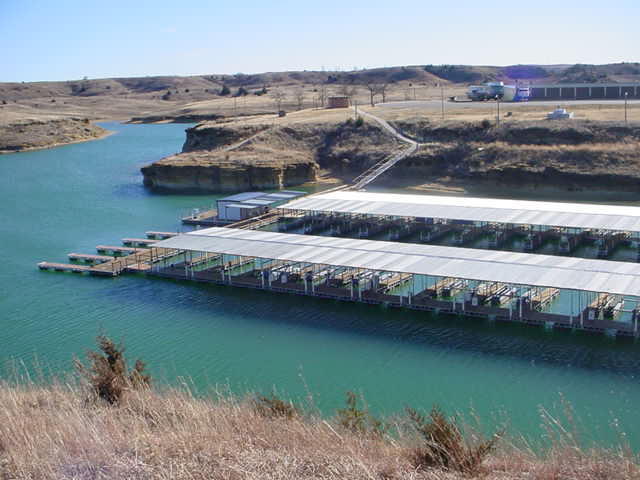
520 112
53 432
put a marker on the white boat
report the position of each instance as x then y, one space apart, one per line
559 114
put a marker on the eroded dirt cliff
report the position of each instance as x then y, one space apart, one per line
35 134
220 157
576 156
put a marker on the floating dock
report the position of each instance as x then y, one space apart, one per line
75 268
64 267
524 288
160 235
546 290
568 225
138 242
205 218
117 249
85 257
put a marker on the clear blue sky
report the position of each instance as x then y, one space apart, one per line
68 39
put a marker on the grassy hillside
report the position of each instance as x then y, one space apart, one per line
59 432
201 85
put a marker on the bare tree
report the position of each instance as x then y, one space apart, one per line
382 89
322 95
278 96
374 89
348 90
299 96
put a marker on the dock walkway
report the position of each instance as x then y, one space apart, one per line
86 257
139 242
75 268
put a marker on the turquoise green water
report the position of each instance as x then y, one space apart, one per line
78 196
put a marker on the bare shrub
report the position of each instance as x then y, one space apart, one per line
108 373
443 443
358 419
274 407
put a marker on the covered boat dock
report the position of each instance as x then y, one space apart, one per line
426 218
545 290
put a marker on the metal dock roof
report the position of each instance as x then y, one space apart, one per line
516 268
240 197
554 214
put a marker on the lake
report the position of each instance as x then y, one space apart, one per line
72 198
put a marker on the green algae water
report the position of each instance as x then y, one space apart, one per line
72 198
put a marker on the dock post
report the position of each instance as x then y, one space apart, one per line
185 264
520 302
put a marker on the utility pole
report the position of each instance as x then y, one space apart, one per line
498 117
626 96
442 100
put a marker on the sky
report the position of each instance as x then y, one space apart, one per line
70 39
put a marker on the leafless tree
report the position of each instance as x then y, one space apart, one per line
299 96
322 95
278 96
348 90
374 89
382 89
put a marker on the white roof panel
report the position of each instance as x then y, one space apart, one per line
555 214
239 197
241 205
517 268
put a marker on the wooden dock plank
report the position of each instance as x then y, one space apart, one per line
64 267
89 257
113 248
139 241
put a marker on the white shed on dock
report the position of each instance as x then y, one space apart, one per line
250 204
239 211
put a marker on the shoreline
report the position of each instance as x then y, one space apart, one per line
525 191
104 135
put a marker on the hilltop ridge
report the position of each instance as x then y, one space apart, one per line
168 95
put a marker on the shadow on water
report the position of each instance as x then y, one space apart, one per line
444 332
130 190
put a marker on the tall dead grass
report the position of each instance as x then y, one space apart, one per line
55 432
108 422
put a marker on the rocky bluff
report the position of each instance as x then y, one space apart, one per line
229 157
